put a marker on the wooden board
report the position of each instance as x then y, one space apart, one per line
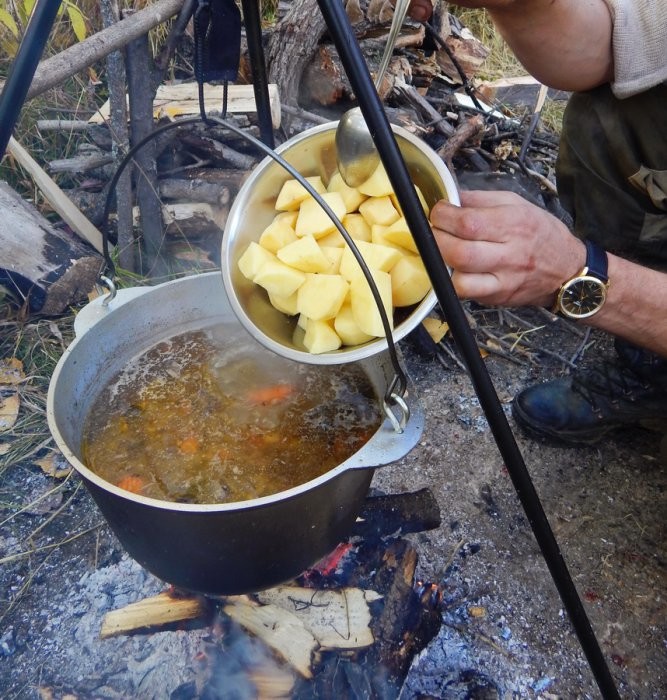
183 100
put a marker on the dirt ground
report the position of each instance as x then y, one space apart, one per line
504 631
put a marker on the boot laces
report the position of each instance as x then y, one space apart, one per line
608 383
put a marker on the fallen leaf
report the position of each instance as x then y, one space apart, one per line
55 465
11 371
9 409
477 611
435 328
4 448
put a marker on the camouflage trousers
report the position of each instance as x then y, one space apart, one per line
612 171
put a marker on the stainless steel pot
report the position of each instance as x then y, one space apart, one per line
216 549
313 152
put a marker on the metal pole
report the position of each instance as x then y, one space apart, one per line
373 111
253 29
23 67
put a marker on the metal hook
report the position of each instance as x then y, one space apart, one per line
113 290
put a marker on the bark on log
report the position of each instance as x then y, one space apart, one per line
140 69
118 124
49 267
292 45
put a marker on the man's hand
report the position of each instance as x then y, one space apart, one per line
504 250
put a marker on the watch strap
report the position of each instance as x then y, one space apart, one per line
596 261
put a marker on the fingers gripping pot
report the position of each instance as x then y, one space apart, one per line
216 549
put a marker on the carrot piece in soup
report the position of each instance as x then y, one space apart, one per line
132 483
189 445
270 394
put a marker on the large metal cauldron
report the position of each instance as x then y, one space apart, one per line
213 549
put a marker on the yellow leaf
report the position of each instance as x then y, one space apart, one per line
54 464
4 448
8 21
477 611
436 329
78 22
11 371
9 409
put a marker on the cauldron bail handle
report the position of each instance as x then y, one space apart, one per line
111 286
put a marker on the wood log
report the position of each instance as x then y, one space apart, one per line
49 267
194 190
160 610
55 70
81 163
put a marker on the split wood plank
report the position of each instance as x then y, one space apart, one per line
159 610
337 618
279 629
60 202
183 99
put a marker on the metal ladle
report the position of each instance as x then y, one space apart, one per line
356 153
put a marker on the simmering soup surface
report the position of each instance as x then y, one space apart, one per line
211 417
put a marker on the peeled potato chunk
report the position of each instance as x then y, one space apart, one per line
356 226
399 234
364 307
292 193
378 184
348 329
321 296
351 195
378 210
333 240
285 304
314 221
409 281
420 196
252 260
277 235
278 278
304 254
320 337
379 257
333 255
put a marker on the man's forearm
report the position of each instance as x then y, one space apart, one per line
564 43
636 307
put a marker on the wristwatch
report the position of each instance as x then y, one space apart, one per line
584 295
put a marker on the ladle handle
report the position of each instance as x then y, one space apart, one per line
400 10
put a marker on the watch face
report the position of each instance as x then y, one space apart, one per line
582 296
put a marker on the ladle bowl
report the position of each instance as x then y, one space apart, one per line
356 153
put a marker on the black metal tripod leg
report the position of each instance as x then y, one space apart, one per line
373 111
24 67
253 28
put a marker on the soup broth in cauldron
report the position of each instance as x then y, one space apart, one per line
211 417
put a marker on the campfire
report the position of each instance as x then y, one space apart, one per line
356 619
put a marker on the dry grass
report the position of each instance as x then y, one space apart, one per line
38 344
502 63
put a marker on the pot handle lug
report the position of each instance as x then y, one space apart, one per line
100 307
